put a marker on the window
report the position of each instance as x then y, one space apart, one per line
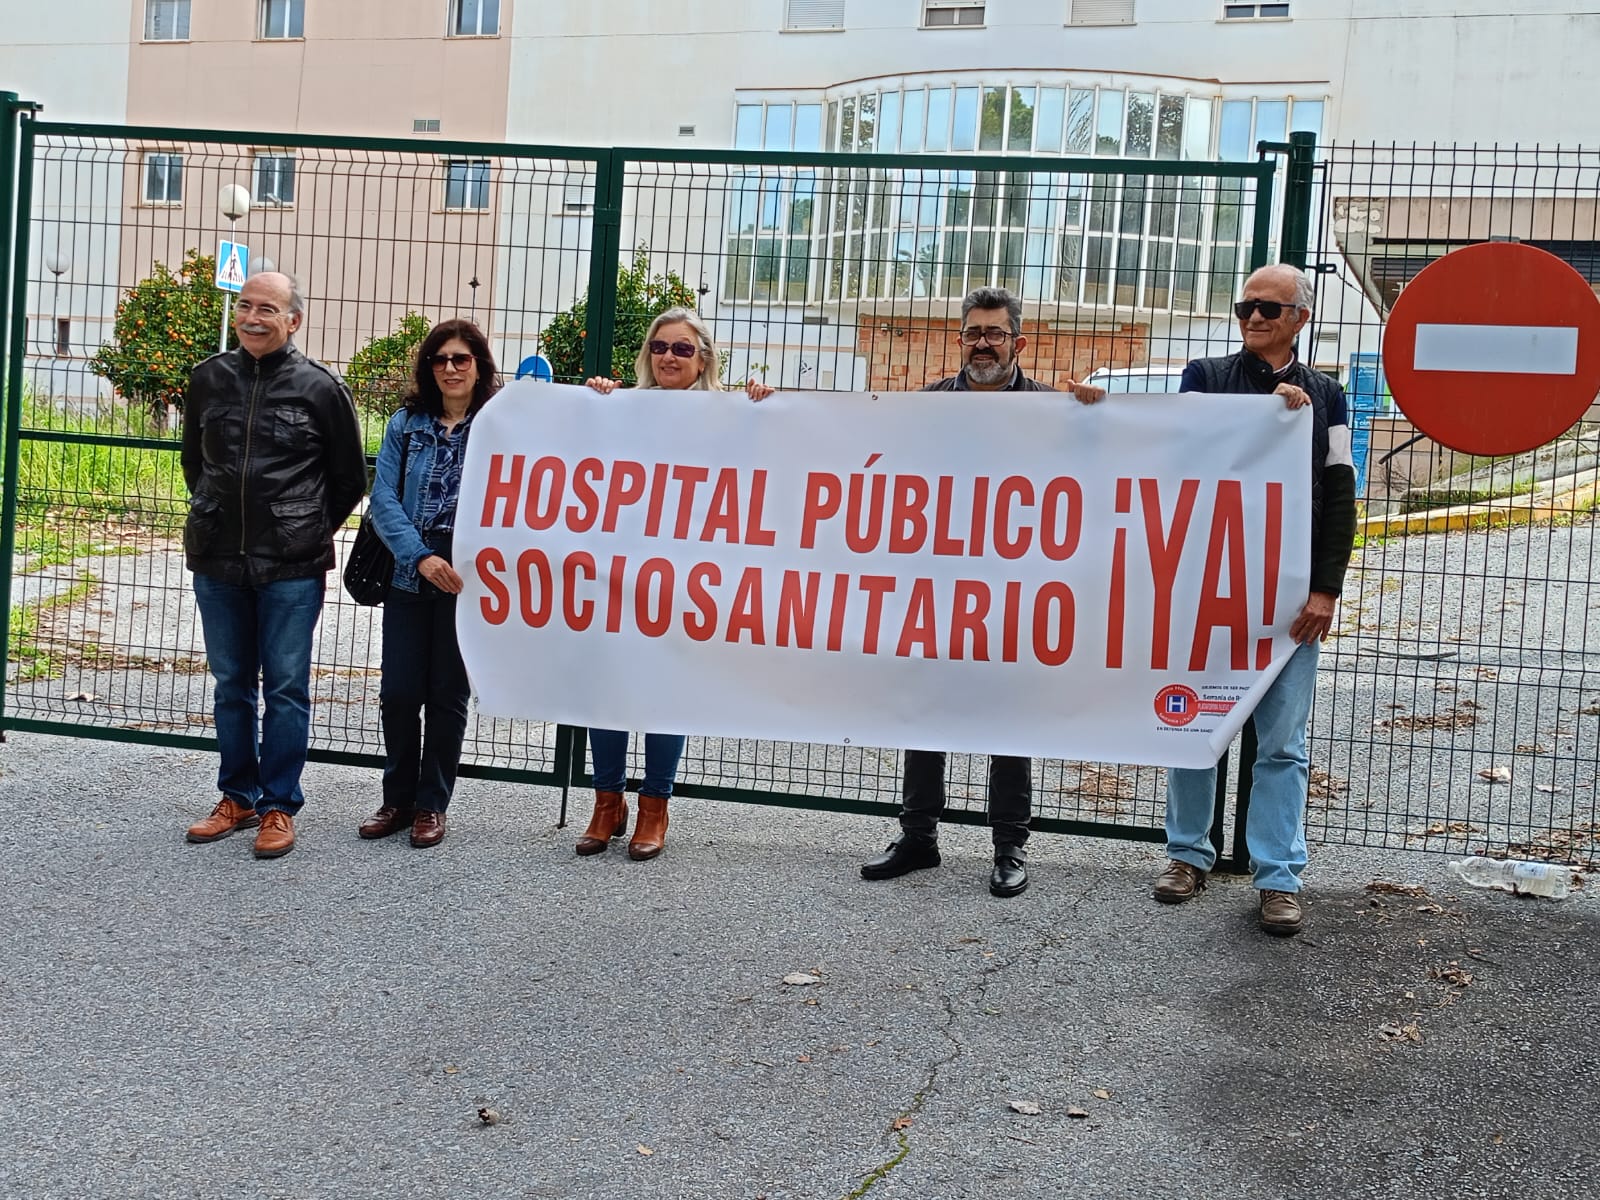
813 14
283 18
163 179
274 181
166 20
577 194
466 183
948 14
63 337
1101 12
1251 12
425 125
474 18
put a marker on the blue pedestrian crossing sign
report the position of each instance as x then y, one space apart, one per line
233 264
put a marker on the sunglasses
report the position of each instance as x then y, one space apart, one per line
1270 309
678 349
459 361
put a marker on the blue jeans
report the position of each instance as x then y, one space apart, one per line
1275 829
609 750
258 645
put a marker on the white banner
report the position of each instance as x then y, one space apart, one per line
993 572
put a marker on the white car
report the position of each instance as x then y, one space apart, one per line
1137 379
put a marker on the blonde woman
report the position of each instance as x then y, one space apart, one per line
678 354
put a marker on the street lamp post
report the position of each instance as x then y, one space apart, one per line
58 262
234 201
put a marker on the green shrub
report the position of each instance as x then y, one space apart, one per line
164 326
640 298
379 374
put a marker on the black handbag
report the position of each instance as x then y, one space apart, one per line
369 567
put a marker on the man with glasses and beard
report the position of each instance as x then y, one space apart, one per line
273 457
1275 307
991 340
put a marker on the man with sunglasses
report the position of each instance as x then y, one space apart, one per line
990 338
273 458
1274 308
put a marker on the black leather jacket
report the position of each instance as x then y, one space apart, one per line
273 457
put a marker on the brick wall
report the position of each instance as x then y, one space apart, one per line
902 355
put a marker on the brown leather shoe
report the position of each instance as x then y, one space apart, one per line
610 819
427 829
1179 882
1281 913
385 821
650 830
275 838
226 817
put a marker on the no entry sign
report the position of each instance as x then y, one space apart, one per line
1494 348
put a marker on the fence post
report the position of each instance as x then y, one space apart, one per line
1297 199
16 207
605 259
599 328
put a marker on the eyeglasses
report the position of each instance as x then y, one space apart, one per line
678 349
1270 309
244 308
440 361
994 336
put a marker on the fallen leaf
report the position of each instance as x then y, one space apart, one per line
801 979
84 696
1396 889
489 1116
1102 1094
1548 789
900 1123
1026 1107
644 1150
1496 774
1077 1113
802 1058
449 1070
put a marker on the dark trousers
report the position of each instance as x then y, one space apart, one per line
1010 796
423 698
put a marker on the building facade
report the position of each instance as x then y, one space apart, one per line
837 275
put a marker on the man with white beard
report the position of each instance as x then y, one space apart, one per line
991 339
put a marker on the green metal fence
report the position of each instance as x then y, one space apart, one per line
816 271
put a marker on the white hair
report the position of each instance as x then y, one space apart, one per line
710 379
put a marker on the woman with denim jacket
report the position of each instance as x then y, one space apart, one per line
678 353
423 673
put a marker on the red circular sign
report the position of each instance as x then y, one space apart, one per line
1177 705
1494 348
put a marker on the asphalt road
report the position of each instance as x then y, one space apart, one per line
183 1021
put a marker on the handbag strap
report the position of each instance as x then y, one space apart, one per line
405 448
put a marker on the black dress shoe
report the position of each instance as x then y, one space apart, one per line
902 857
1009 877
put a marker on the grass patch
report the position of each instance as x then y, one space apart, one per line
1449 497
33 660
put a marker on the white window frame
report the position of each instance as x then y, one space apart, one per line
146 160
577 194
179 13
1230 13
812 16
290 7
1097 12
955 7
456 30
466 166
278 158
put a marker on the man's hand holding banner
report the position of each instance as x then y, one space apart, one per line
993 572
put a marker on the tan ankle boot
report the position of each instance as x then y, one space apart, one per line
609 820
650 830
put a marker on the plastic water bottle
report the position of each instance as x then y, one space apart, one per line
1519 878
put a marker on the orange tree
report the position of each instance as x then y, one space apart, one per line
640 297
164 326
